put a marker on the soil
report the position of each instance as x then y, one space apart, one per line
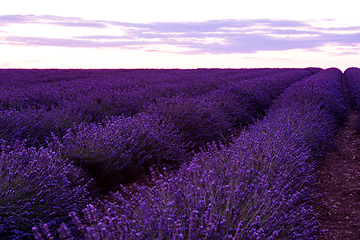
338 178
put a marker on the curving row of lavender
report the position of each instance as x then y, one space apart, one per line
254 188
164 131
352 81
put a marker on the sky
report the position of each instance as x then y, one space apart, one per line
179 34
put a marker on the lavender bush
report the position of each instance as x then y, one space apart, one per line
351 76
330 94
35 125
352 81
199 119
118 149
37 185
250 99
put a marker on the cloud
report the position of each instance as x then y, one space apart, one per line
49 19
99 37
63 42
212 36
79 24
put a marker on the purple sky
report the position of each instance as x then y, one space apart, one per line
229 36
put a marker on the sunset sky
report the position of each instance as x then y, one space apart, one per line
179 34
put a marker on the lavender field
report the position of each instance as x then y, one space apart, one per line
153 154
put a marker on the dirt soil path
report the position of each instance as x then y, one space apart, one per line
339 178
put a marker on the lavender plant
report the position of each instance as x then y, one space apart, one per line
35 125
120 148
352 78
37 185
330 94
199 119
245 101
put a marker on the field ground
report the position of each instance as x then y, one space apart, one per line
339 178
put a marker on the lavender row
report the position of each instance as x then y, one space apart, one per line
352 81
255 188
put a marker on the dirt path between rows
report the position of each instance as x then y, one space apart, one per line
339 178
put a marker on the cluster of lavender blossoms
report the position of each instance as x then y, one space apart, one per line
254 188
116 150
36 185
352 81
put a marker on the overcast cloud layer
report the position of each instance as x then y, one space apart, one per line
212 36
